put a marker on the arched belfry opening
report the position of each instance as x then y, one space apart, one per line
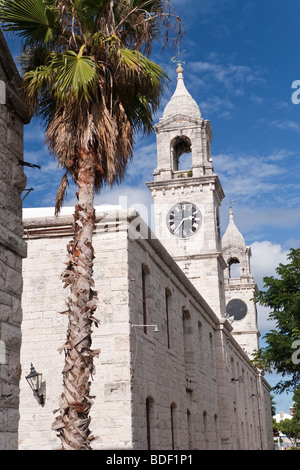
234 268
181 153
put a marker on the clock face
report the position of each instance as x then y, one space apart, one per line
237 309
184 220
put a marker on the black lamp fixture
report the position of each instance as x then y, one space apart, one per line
35 381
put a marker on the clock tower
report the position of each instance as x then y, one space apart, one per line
187 195
240 288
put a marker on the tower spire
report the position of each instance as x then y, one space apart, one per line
181 102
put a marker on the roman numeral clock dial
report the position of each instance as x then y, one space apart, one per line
184 220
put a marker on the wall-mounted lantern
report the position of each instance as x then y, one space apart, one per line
35 382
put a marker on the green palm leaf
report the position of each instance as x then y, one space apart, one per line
69 78
33 20
76 76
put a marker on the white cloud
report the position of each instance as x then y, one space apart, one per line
278 217
227 74
264 184
247 175
128 197
143 163
215 104
286 125
33 133
266 257
265 324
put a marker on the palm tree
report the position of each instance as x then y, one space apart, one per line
87 74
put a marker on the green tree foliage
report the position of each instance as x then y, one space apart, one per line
291 429
282 352
296 405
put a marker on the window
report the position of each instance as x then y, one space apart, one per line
189 429
145 275
211 353
172 413
167 300
234 268
205 430
149 416
216 424
200 342
186 334
188 345
181 149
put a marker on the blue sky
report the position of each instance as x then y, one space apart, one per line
241 60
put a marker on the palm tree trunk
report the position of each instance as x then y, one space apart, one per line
73 422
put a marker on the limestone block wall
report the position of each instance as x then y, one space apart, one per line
44 330
175 367
244 397
199 256
165 389
193 385
13 115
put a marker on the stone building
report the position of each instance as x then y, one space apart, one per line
174 372
13 115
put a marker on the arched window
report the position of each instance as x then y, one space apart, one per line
145 293
200 343
234 268
187 336
173 425
205 430
216 425
167 303
189 428
149 419
181 150
211 352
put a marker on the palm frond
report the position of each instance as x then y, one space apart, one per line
141 96
61 193
68 77
76 76
33 20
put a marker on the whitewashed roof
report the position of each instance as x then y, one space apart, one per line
181 101
232 236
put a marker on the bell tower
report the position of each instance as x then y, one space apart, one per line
240 288
187 195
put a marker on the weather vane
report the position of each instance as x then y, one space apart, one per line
231 202
178 57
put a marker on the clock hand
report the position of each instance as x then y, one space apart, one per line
181 222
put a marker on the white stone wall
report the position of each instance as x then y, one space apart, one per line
245 330
193 373
196 372
183 374
12 250
44 331
200 255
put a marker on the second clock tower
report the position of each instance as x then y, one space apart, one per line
187 195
